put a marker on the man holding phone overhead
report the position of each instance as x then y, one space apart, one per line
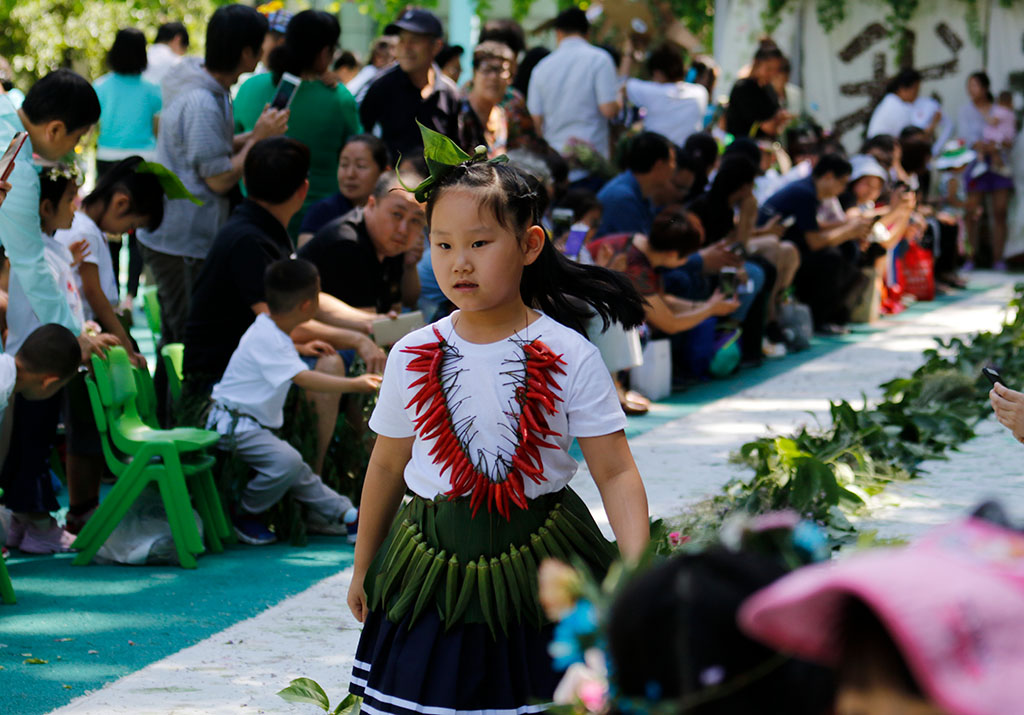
197 142
56 113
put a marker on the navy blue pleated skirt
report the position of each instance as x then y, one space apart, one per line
425 671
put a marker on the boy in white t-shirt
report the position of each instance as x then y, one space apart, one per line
249 404
46 361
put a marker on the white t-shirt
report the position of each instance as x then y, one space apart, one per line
674 109
160 59
891 116
566 89
484 391
257 378
8 376
21 319
99 256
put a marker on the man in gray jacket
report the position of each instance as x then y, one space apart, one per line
197 142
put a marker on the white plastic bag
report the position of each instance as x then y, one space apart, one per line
144 535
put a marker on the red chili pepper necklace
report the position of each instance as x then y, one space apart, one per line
535 395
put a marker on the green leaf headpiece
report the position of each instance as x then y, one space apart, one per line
169 181
442 156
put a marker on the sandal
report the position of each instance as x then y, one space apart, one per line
634 404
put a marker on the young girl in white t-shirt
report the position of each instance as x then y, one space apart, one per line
475 418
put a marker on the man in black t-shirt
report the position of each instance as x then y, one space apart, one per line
367 258
753 101
229 291
412 90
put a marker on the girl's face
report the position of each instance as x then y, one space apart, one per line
867 188
59 216
477 261
357 173
117 220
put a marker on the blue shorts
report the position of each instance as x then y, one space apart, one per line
348 356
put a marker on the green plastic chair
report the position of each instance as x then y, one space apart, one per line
150 455
173 355
151 309
6 589
146 398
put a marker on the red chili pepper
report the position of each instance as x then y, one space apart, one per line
543 400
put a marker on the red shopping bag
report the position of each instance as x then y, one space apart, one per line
918 274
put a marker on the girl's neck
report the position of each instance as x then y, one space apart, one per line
493 324
94 211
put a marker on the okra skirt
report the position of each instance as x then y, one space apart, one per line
454 623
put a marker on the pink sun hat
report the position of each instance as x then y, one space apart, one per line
953 603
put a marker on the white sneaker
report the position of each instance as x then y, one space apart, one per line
773 350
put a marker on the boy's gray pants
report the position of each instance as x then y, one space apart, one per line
280 469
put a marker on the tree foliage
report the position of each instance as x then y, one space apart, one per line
42 35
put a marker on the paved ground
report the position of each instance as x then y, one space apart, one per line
312 634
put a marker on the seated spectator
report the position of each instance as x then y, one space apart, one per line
47 360
586 216
321 117
248 403
672 239
933 628
368 256
695 161
673 108
229 292
727 213
361 162
754 108
482 119
413 90
632 198
826 277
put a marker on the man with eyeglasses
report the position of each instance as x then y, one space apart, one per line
482 121
412 90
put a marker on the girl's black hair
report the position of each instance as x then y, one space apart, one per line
128 53
52 188
982 78
308 33
378 149
144 192
867 653
673 636
567 291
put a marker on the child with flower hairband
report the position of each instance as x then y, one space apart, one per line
475 417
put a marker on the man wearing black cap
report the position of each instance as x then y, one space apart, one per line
414 89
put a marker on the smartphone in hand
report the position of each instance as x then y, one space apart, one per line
286 90
992 374
7 160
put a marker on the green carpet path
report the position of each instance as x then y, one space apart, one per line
95 624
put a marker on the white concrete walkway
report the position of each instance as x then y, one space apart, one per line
313 635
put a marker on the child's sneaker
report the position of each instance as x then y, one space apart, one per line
253 531
46 537
319 524
351 520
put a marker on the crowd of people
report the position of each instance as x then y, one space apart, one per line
570 206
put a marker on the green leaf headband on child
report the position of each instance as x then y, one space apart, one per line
169 181
442 156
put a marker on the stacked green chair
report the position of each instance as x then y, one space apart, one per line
173 355
151 309
6 589
139 454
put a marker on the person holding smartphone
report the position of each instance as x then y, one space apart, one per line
1008 404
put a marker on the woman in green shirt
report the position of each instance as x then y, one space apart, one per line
322 117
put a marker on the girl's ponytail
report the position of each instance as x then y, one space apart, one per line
567 291
143 189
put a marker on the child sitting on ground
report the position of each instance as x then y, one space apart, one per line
934 628
248 403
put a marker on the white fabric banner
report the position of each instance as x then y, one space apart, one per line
845 71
